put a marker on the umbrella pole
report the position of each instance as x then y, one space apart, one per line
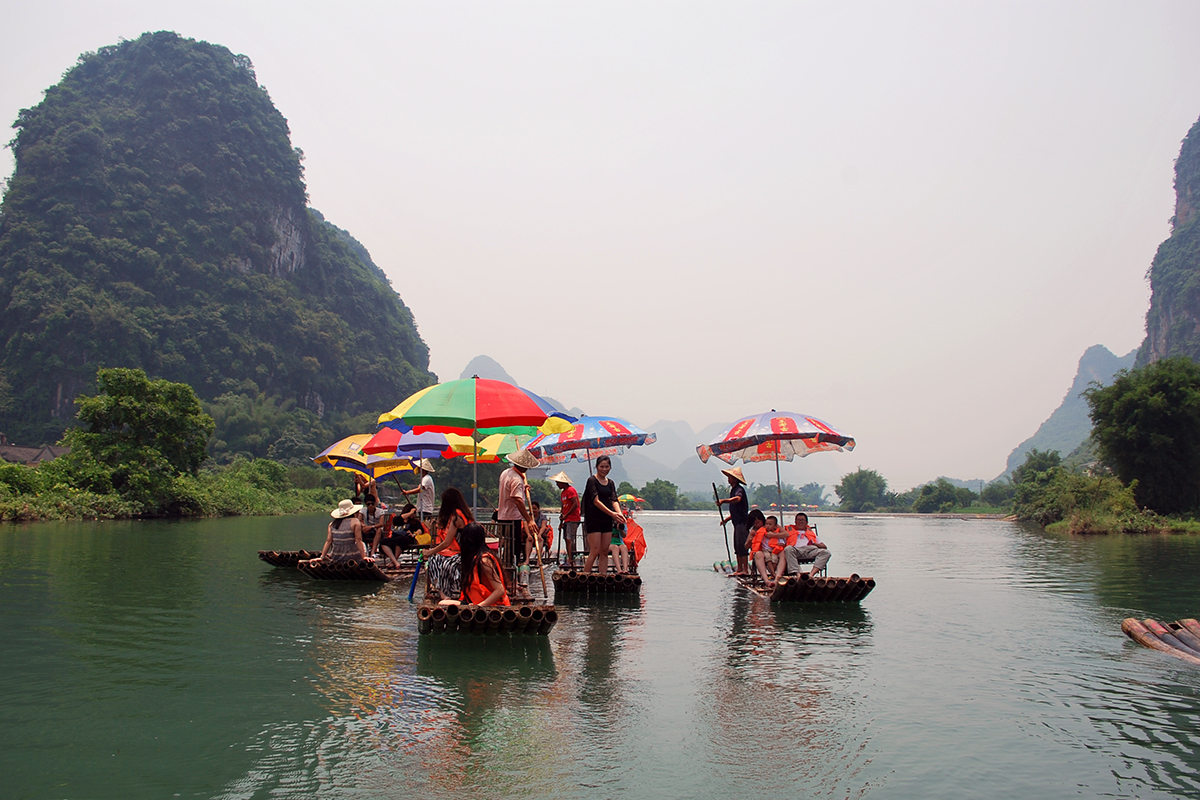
475 477
778 482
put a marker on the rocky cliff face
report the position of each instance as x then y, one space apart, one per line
1173 321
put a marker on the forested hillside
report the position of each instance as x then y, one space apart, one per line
157 219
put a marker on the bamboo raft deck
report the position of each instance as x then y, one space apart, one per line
804 588
1180 639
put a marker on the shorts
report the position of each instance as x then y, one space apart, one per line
741 532
616 540
402 540
770 557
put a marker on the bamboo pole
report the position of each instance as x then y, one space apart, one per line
548 620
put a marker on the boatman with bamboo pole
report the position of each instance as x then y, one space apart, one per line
512 512
739 514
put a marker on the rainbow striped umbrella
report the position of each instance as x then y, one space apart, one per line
475 406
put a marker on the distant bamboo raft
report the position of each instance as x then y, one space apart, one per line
287 558
527 619
1180 639
573 580
806 589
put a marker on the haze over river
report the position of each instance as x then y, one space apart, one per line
163 659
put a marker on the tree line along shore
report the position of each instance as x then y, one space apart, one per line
141 449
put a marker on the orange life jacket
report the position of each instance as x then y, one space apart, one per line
476 591
809 534
453 547
776 545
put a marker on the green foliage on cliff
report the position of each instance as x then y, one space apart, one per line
1171 322
156 219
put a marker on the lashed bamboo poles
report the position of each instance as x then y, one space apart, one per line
489 621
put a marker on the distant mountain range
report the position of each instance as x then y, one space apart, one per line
1070 425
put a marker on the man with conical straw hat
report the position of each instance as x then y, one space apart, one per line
739 515
512 512
568 514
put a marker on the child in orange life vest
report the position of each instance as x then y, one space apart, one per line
810 549
482 580
768 546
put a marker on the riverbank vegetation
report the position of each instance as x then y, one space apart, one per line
1138 473
140 452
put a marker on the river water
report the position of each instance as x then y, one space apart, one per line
163 659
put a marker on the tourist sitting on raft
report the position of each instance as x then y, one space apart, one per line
343 539
803 546
600 511
407 532
443 559
482 580
373 521
768 544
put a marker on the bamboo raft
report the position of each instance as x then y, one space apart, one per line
804 588
286 558
338 570
573 580
1180 639
529 619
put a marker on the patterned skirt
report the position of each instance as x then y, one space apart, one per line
443 573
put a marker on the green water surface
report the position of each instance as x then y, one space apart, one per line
163 659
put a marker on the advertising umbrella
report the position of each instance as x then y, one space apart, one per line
474 406
596 436
775 436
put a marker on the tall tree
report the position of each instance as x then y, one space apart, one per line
1147 426
862 490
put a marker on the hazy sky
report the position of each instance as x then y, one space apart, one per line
909 219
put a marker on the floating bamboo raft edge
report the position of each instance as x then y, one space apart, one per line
572 580
806 589
1180 639
286 558
528 619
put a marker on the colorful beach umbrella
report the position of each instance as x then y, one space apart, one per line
630 498
775 436
389 441
349 455
475 406
590 437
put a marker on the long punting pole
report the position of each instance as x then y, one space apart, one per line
537 535
721 515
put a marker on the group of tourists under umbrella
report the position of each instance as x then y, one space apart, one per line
485 420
